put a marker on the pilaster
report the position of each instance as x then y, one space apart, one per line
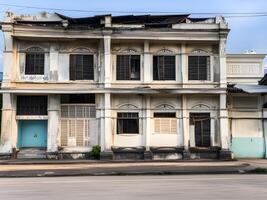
53 123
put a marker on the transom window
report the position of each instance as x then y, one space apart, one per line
163 67
127 123
165 122
198 67
34 64
81 67
128 67
31 105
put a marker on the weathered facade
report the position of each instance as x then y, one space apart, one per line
145 87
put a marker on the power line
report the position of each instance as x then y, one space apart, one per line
226 14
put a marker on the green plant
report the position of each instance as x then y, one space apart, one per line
95 152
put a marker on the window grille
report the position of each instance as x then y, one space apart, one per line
31 105
163 67
77 121
198 68
81 67
34 64
127 123
128 67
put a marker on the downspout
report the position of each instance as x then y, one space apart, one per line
263 131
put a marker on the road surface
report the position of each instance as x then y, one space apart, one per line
136 187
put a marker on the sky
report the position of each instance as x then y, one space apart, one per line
246 33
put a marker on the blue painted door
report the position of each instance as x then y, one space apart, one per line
32 133
248 147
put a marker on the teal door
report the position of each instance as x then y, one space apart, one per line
32 133
248 147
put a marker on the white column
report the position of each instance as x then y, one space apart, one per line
183 64
224 128
107 61
106 125
180 131
8 56
53 123
222 57
185 119
147 124
8 124
147 72
53 65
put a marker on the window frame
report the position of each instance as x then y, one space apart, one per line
94 66
116 67
34 54
167 118
19 111
128 112
200 52
175 67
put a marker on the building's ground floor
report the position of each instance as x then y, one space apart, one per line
139 126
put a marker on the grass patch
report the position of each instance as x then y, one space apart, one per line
259 170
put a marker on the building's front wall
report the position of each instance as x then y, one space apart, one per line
145 96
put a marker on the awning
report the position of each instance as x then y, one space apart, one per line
253 89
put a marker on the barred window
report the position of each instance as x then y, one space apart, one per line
31 105
198 68
163 67
78 98
34 64
127 123
128 67
81 67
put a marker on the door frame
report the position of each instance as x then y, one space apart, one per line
20 133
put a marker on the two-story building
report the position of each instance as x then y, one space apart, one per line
139 86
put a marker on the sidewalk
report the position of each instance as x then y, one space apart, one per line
38 168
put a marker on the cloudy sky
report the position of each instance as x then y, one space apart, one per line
247 33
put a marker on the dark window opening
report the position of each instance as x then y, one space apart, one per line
164 115
163 67
81 67
198 67
201 122
128 67
31 105
127 123
78 98
34 64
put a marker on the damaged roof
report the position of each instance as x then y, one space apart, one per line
98 21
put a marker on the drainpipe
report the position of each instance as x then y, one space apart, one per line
263 131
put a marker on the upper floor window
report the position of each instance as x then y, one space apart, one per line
128 67
198 67
81 67
35 63
163 67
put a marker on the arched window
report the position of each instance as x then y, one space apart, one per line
164 65
81 64
35 61
199 65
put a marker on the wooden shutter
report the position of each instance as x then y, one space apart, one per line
165 122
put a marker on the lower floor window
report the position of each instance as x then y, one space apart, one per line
165 122
127 123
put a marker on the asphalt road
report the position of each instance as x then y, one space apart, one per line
136 187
